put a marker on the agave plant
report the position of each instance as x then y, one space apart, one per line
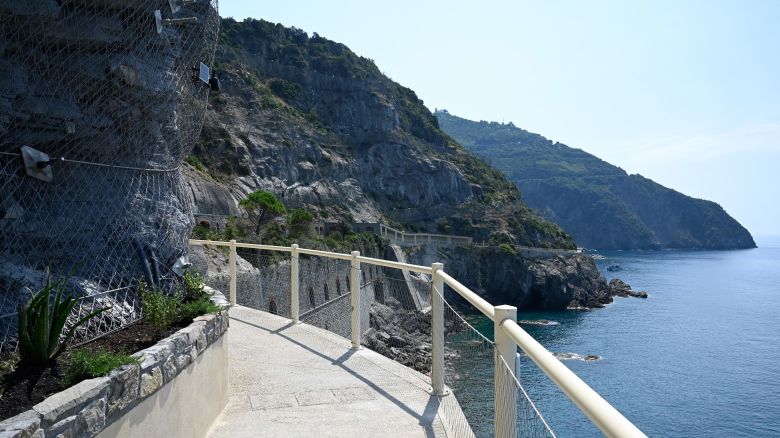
41 324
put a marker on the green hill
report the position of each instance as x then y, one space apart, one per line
601 205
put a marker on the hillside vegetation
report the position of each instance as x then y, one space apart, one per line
601 205
322 128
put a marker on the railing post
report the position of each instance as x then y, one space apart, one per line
505 390
294 283
232 272
355 286
437 331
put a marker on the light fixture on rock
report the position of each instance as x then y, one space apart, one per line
37 164
160 21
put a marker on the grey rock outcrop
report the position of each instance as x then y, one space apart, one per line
553 283
620 288
113 104
320 127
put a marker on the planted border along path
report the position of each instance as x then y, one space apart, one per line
299 380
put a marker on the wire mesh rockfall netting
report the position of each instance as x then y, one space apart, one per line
263 280
105 90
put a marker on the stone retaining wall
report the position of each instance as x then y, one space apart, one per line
90 406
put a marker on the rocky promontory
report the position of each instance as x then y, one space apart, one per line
621 289
551 283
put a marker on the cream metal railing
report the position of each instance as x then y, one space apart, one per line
508 335
402 237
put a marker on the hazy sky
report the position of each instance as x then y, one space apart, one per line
684 92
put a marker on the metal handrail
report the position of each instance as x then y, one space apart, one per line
423 236
611 422
333 255
396 265
477 301
508 337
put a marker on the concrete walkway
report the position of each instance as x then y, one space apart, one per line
301 381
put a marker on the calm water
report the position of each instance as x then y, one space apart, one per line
699 357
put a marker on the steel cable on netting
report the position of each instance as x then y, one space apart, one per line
110 88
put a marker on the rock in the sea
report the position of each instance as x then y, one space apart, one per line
400 334
620 288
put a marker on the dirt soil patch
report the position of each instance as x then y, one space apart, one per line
25 386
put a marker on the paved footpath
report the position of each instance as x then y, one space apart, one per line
301 381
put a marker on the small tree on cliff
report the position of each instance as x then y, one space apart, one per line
262 206
300 222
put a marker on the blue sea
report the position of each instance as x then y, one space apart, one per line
699 358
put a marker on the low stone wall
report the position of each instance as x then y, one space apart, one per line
89 407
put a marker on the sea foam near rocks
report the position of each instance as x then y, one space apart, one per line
542 322
576 356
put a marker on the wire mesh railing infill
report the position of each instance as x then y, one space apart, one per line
395 317
530 422
468 371
324 294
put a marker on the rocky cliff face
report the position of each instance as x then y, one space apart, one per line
112 103
309 120
561 282
599 204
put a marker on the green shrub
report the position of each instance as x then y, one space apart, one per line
443 226
40 325
160 309
508 248
163 310
231 231
84 364
299 215
300 221
201 232
287 90
192 284
200 306
193 161
275 234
